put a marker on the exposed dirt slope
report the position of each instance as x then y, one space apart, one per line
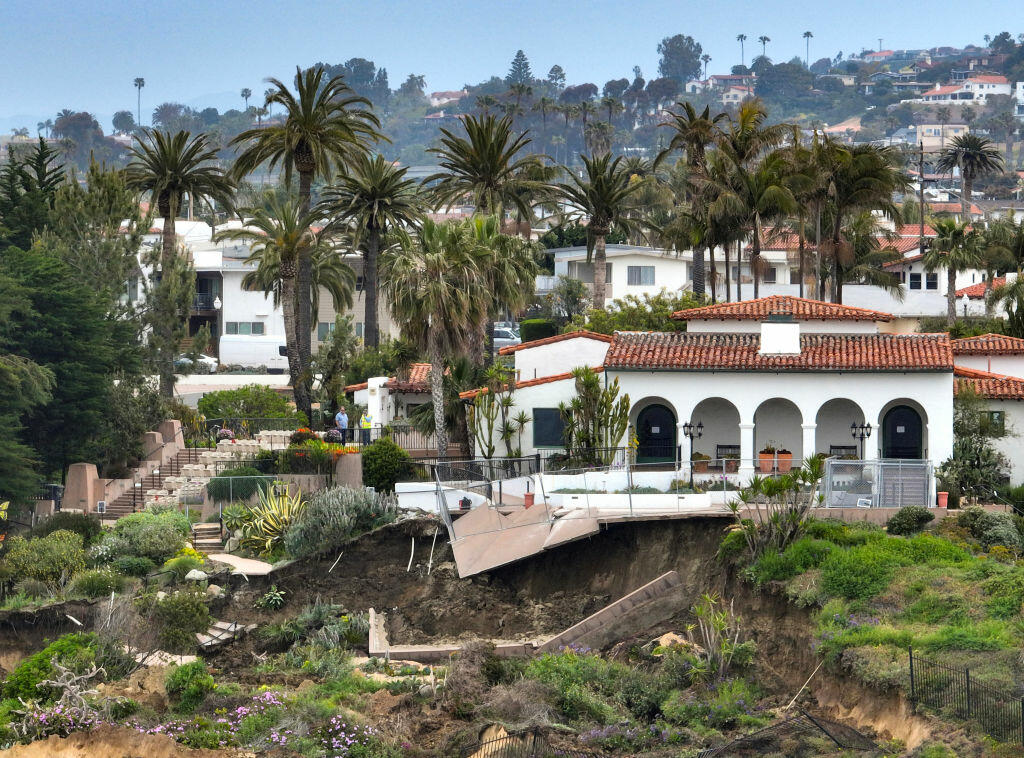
112 742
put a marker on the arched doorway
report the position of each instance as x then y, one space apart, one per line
902 433
655 434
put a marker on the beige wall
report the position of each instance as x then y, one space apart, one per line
326 313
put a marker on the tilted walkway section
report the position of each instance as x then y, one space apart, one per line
247 566
639 602
221 633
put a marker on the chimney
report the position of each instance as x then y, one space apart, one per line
780 336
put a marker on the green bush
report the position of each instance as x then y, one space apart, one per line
179 617
909 520
77 651
335 515
968 518
806 553
858 572
250 401
53 558
97 583
238 484
133 565
772 566
723 706
734 544
182 564
156 535
537 328
188 685
79 523
997 529
385 463
840 533
32 588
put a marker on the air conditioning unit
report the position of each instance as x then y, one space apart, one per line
101 506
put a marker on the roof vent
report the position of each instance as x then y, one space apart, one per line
780 338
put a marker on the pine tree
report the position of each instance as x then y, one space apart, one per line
520 72
556 77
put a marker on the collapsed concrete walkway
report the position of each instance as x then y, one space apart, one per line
246 566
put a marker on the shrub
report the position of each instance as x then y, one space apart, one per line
133 565
727 704
238 484
87 526
235 516
968 518
53 558
734 544
250 401
537 328
997 529
772 566
909 520
156 535
269 519
859 572
301 435
272 600
334 436
97 583
335 515
76 651
384 463
32 588
179 617
188 685
180 565
840 533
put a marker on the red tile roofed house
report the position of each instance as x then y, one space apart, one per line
558 354
980 290
997 353
814 315
390 399
1003 395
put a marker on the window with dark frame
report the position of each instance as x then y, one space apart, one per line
640 275
548 428
915 281
931 281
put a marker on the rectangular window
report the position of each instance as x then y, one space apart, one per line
359 329
245 327
794 276
770 275
323 329
231 327
931 281
640 276
359 283
258 327
915 281
997 422
548 428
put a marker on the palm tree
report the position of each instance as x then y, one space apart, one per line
278 235
955 248
432 277
1000 247
741 38
373 198
485 103
246 94
943 114
139 84
764 40
169 167
975 157
807 55
601 198
705 59
545 105
325 125
267 94
483 165
865 255
520 91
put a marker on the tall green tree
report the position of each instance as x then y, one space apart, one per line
956 247
372 199
519 72
28 186
680 58
433 280
168 167
976 157
600 198
325 124
484 166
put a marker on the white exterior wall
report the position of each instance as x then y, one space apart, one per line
244 306
547 395
1010 365
1012 446
559 357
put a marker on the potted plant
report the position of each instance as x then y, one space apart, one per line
700 462
766 458
785 459
731 463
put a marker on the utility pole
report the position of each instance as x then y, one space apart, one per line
920 195
879 44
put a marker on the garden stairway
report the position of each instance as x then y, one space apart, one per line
207 538
221 633
160 487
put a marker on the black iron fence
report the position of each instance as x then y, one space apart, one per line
955 692
560 460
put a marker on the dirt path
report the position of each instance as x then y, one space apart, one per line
113 742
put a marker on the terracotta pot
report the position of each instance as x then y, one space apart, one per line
765 462
943 498
527 499
731 465
700 467
785 462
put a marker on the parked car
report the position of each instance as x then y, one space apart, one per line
505 336
204 364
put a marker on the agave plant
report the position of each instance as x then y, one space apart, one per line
270 518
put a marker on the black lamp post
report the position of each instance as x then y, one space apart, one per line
860 432
693 431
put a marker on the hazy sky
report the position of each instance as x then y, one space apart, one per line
84 54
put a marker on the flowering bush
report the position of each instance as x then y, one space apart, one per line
340 738
225 434
333 435
302 434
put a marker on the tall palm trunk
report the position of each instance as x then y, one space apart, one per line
288 309
728 268
713 279
950 295
698 270
164 328
304 305
600 272
802 252
965 199
437 394
818 278
755 259
739 271
371 325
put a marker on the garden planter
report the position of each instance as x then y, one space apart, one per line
785 461
700 467
765 462
731 465
527 499
943 499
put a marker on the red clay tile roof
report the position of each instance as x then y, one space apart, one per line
508 350
977 291
988 79
470 394
419 381
952 208
991 386
944 90
696 351
989 344
799 308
